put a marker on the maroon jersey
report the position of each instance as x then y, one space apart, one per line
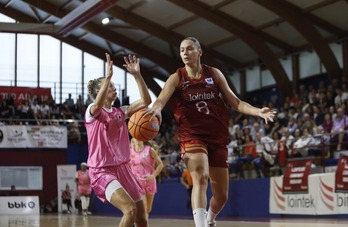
199 110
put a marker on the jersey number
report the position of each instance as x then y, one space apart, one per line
202 107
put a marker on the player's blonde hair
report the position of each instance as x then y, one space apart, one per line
93 85
195 41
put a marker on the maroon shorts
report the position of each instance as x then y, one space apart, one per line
217 154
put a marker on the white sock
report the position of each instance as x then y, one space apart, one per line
200 217
83 202
211 216
87 202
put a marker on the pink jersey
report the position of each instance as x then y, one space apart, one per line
142 163
83 186
108 139
199 110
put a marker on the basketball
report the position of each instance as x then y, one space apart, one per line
141 128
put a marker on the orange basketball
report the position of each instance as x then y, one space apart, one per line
141 128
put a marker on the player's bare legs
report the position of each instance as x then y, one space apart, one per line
148 200
125 203
141 219
197 163
219 183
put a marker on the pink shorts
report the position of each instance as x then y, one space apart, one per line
150 187
84 189
101 177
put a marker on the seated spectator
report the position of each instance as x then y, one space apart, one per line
55 110
307 122
327 124
292 125
321 143
300 147
340 97
23 109
235 166
235 160
287 138
34 111
257 129
66 199
271 157
4 111
45 110
66 112
339 130
260 163
249 153
318 116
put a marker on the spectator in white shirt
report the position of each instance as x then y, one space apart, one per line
301 145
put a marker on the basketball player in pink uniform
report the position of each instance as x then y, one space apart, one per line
83 187
108 144
197 93
146 165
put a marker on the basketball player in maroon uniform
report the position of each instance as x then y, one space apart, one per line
195 92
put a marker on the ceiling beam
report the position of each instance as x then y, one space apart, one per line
98 52
83 45
294 16
174 39
268 38
157 57
82 14
160 31
32 28
254 40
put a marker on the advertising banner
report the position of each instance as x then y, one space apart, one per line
296 176
19 205
321 198
285 203
24 136
19 94
66 177
341 184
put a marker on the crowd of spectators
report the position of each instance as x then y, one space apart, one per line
311 122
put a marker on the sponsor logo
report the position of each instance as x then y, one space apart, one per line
201 96
278 196
16 136
21 205
326 194
209 81
301 201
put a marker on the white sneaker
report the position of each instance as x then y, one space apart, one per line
212 224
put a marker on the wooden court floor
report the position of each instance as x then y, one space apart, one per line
74 220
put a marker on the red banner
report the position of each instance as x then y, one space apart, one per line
341 183
296 176
23 93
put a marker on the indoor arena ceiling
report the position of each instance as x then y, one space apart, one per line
235 34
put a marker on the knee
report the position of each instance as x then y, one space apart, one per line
200 178
130 211
221 198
